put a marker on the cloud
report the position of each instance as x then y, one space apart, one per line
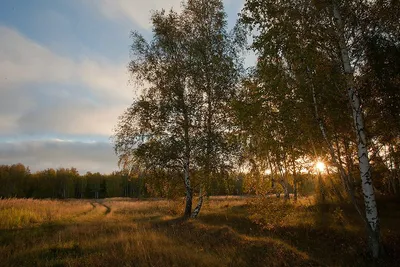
23 61
106 79
138 11
43 92
39 155
70 117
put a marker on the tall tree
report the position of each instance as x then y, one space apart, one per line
321 45
178 122
363 157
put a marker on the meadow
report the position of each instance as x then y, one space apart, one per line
230 231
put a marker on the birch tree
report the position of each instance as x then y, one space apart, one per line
322 43
359 125
178 122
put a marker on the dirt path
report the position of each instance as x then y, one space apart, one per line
108 208
98 209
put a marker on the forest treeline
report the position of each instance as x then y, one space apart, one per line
18 181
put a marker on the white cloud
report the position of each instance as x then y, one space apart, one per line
22 61
26 66
107 80
70 117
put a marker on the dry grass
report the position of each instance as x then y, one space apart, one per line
20 213
230 231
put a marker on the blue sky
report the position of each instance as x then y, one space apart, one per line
63 77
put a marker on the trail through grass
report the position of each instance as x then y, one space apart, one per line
230 231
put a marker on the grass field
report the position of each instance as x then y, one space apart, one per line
231 231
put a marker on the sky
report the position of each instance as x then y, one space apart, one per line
64 79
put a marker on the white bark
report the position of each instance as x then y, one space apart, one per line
188 206
186 165
343 175
364 165
196 211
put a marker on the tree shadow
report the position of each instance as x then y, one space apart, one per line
10 236
251 245
300 245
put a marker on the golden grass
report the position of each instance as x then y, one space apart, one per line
231 231
19 213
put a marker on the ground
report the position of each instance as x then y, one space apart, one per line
230 231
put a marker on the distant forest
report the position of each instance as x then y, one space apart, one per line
18 181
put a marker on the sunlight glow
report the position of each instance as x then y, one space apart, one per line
320 166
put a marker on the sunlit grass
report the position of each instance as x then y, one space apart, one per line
19 213
231 231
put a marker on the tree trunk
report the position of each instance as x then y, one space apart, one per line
344 177
189 193
349 163
284 183
396 173
321 189
273 174
371 210
286 188
294 178
392 178
186 164
196 210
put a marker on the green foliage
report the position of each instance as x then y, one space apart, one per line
68 183
13 180
180 124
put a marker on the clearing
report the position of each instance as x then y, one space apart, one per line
230 231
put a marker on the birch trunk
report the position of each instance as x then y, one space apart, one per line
196 210
294 180
342 172
286 188
273 175
349 163
186 165
392 169
188 204
284 183
321 189
371 210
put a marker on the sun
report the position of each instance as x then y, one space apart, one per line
320 166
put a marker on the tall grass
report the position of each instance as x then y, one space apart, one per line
231 231
20 213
